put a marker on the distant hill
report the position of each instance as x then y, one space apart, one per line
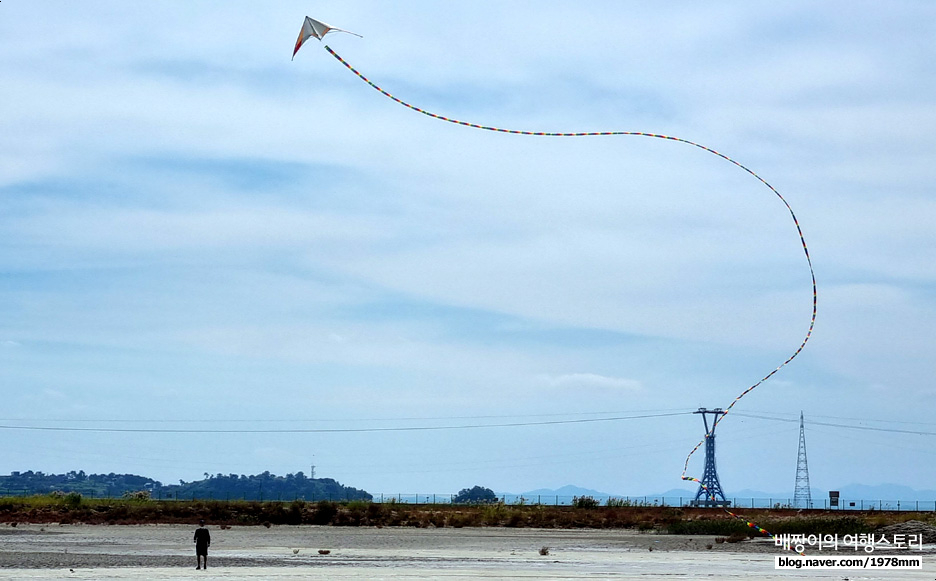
93 485
676 493
264 486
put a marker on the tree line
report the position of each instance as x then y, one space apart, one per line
264 486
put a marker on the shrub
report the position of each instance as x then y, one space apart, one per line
644 526
459 520
720 526
73 499
294 512
617 502
585 502
437 519
219 510
493 514
672 514
358 505
375 512
845 525
515 519
325 511
9 504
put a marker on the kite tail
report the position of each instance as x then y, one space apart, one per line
799 231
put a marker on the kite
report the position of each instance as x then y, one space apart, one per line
312 27
799 230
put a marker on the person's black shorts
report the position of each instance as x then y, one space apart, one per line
201 549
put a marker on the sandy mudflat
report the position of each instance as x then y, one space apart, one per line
166 552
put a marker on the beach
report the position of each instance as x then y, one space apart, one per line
166 552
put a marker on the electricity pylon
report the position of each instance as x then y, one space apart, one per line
710 490
802 497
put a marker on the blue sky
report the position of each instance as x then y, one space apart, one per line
197 233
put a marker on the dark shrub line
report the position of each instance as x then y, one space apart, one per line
72 508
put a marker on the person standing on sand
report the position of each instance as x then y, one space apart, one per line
202 542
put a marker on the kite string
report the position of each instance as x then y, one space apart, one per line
799 231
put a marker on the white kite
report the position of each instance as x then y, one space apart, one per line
312 27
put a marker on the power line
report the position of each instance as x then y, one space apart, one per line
870 440
834 425
310 420
853 419
335 430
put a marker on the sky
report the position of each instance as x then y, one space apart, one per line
214 259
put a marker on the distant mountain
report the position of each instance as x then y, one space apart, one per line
568 490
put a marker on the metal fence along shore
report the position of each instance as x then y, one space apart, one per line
675 501
844 504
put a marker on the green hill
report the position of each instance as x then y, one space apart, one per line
263 486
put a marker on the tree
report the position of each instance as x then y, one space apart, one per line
475 495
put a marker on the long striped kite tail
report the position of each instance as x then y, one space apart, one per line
631 133
799 230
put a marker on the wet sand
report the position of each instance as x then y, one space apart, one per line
281 553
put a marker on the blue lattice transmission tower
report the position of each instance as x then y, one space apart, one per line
802 497
710 490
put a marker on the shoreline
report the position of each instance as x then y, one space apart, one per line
165 552
169 545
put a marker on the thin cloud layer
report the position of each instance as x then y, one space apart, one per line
196 228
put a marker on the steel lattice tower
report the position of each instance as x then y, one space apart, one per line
802 497
710 490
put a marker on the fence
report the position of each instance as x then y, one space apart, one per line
675 501
844 504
